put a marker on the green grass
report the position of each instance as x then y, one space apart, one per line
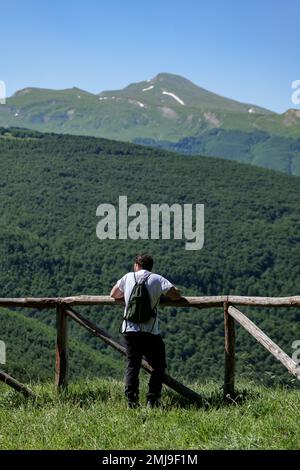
93 415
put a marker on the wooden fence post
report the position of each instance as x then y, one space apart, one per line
229 328
61 362
265 341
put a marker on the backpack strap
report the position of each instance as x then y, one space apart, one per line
154 308
125 316
126 321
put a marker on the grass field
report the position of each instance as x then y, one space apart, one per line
94 415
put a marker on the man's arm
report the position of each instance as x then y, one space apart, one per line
116 293
173 294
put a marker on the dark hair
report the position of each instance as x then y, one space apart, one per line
145 261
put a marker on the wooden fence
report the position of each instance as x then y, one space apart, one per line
65 310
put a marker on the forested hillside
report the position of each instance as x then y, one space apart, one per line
30 351
50 188
255 148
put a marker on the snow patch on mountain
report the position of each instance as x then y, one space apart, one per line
149 88
136 102
174 96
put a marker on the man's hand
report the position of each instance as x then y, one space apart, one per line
173 294
116 293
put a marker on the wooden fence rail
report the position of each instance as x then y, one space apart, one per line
9 380
198 302
63 306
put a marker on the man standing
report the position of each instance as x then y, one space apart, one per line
144 339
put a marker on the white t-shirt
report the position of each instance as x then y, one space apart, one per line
156 285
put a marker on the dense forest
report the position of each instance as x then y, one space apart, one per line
50 188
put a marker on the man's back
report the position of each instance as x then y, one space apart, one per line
156 285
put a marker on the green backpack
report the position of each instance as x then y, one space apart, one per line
139 308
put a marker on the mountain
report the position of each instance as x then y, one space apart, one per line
50 188
167 111
168 90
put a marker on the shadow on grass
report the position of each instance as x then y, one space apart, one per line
83 396
209 400
170 399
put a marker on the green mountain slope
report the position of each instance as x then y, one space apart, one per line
50 188
160 89
166 108
256 148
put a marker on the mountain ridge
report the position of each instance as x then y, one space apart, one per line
168 78
166 110
175 82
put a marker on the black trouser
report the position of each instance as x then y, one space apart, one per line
152 347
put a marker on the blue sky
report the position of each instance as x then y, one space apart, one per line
247 50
